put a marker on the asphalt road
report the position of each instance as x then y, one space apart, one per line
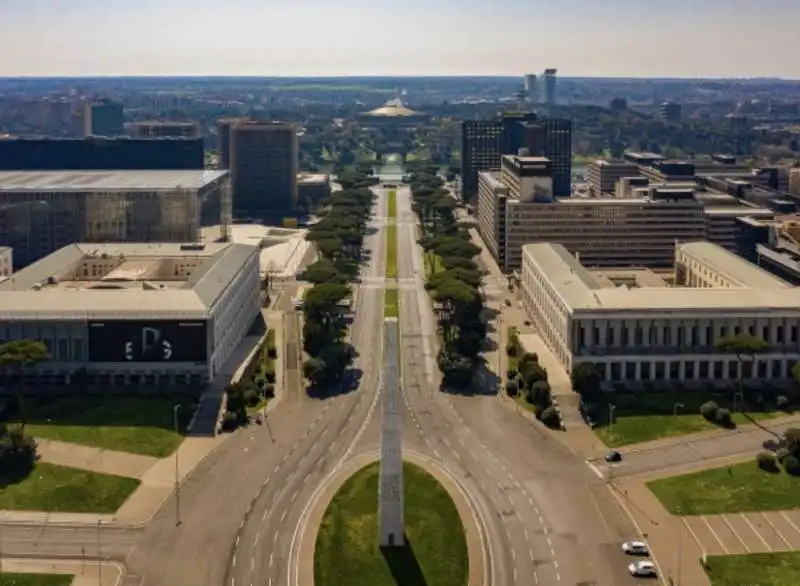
549 520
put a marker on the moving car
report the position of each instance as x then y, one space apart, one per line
635 548
613 457
642 569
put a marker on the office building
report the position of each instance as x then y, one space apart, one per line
794 182
103 118
156 129
605 231
603 175
263 163
223 126
312 188
483 142
641 330
133 314
670 111
41 212
531 88
67 154
549 83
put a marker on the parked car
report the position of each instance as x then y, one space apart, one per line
635 548
645 569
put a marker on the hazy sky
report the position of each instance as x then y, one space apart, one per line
715 38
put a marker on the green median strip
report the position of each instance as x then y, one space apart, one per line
391 251
391 303
392 204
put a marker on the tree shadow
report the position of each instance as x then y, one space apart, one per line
403 564
484 383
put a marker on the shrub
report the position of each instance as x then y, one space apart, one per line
272 352
781 454
540 394
17 452
511 349
709 410
512 389
532 373
229 421
792 466
269 391
269 375
550 418
723 416
251 397
782 402
511 374
766 461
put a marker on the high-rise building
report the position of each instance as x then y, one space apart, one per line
794 181
483 142
550 86
224 140
103 118
531 88
263 164
670 111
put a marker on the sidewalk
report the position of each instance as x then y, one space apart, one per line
86 573
94 459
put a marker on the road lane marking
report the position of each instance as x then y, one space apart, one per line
255 541
252 565
264 516
788 520
714 534
728 523
271 558
283 515
233 562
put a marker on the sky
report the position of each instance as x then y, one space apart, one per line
610 38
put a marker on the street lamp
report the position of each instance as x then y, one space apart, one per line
611 408
177 407
676 407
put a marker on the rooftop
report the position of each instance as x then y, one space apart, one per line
94 181
582 292
392 108
108 281
734 267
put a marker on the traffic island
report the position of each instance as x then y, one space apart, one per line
435 543
35 579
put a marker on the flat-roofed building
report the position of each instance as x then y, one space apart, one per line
605 231
603 175
632 335
133 314
6 261
41 212
312 187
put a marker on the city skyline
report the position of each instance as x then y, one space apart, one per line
315 38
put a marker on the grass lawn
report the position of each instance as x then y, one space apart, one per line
729 489
347 552
649 415
140 425
391 251
392 204
761 569
36 579
66 490
391 303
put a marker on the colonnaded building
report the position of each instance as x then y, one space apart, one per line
133 314
635 325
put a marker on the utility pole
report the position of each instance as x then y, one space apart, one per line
611 408
177 407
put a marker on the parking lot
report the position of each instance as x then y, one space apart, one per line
741 533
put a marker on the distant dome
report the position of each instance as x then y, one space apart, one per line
392 108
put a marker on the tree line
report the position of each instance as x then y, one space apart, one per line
338 237
453 279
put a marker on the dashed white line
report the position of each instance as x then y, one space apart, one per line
255 541
555 562
283 515
530 553
294 497
233 561
252 565
271 559
264 516
237 541
525 531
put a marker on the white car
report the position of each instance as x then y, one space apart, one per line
642 569
635 548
